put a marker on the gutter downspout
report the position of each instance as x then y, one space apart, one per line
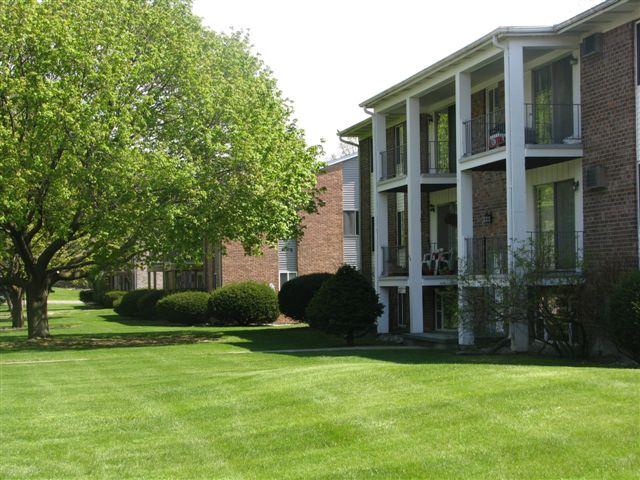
348 142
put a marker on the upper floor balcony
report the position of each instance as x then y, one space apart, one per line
437 163
393 163
395 261
545 252
546 125
440 260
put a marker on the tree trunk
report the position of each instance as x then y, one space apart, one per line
15 301
350 338
37 319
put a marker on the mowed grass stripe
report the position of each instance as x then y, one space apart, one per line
187 411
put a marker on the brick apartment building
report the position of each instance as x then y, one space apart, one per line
331 238
527 135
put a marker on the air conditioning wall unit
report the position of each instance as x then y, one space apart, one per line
595 177
591 45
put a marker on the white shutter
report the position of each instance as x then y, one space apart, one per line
350 185
352 251
287 256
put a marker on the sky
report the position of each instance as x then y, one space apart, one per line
330 55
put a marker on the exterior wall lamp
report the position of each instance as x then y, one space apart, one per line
487 219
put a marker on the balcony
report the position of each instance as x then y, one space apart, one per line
485 133
393 163
487 255
436 158
555 251
440 260
545 124
395 261
553 124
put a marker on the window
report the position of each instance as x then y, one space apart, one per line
372 234
445 312
556 239
400 228
286 276
401 309
638 53
351 222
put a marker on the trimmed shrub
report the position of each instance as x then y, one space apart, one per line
184 307
624 315
128 306
147 303
295 295
243 303
86 296
111 298
346 304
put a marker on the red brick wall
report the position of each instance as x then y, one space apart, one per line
428 309
489 195
321 247
608 133
364 158
238 267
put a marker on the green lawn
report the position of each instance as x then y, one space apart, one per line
112 398
64 294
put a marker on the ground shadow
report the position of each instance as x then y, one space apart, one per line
282 342
297 342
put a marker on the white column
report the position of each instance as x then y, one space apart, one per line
414 215
575 75
516 173
380 214
464 197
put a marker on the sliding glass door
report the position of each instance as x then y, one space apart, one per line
555 240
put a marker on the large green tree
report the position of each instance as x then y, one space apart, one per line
128 129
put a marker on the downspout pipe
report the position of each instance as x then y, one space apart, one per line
348 142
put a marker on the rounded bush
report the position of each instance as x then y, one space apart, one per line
86 296
111 298
128 306
624 315
184 307
147 303
295 295
346 304
244 303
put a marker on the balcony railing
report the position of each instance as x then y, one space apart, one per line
484 133
440 260
555 251
395 261
545 124
553 124
487 255
393 162
435 157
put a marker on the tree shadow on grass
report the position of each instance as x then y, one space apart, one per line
90 341
299 341
317 345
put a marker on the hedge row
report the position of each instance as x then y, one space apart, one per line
236 304
107 299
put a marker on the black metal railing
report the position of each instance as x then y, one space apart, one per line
393 162
553 124
437 157
440 260
484 133
486 255
555 251
395 261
